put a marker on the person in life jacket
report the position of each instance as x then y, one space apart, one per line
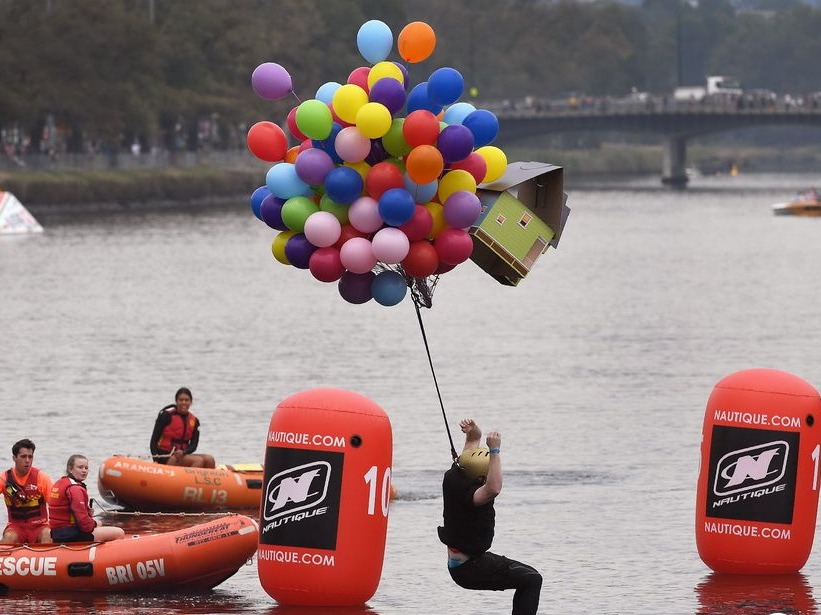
469 489
70 514
25 489
177 433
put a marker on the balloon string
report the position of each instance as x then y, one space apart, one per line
295 96
435 382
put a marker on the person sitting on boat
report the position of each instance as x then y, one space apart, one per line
70 514
25 489
469 489
177 433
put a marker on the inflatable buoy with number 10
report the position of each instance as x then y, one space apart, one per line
324 511
759 479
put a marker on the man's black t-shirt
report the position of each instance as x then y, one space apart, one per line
468 528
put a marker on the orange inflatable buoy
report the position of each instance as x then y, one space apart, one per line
758 484
324 512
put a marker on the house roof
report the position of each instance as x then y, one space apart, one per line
517 173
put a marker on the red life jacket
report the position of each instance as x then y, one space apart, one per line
25 502
59 505
179 431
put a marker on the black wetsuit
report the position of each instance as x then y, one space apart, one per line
469 529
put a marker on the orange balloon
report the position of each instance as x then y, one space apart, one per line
416 42
290 155
424 164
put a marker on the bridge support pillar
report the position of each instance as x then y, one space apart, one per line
674 171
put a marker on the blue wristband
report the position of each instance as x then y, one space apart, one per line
494 450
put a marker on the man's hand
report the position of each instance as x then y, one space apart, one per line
494 440
470 429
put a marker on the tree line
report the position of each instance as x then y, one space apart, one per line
176 74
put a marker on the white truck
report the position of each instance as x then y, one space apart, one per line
717 87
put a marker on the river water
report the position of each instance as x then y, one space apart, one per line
596 369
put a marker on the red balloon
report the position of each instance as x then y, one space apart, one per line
419 225
443 268
422 260
267 141
306 144
348 232
359 76
420 128
474 164
325 265
382 177
453 245
292 127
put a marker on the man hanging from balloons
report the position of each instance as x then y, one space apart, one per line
372 200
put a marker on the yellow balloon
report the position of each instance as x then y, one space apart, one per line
373 120
360 167
347 100
278 246
437 212
496 162
382 70
453 181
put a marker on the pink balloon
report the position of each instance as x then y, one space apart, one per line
363 214
359 76
352 145
322 229
419 225
462 208
357 255
390 245
325 265
453 246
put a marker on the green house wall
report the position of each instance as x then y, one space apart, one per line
516 239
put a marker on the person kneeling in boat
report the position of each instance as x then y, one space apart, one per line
70 514
469 489
177 433
25 489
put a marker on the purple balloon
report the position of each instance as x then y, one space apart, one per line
406 78
271 212
455 143
271 81
462 208
312 165
298 251
389 92
355 287
378 153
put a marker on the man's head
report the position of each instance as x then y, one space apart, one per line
22 453
474 461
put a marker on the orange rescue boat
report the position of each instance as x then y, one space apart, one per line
194 558
138 484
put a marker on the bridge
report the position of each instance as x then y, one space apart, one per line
674 121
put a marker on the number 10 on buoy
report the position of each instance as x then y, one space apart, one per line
327 492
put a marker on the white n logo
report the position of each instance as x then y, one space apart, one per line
290 491
749 468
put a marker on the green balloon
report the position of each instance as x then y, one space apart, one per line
394 141
296 210
314 119
339 210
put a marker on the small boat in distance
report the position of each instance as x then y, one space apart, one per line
804 204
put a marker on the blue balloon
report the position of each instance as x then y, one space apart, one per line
374 40
328 146
325 93
421 193
283 181
418 99
396 206
484 125
445 85
343 185
457 112
388 288
256 199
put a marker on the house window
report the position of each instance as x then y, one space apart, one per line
500 219
525 220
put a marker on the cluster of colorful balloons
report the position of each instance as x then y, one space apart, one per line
381 190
